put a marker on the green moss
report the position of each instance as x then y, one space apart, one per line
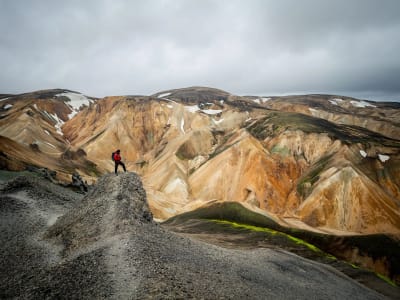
274 232
354 266
284 151
386 279
383 277
312 176
235 216
180 155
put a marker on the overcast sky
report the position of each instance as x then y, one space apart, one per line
249 47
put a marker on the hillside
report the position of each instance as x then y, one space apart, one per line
106 245
197 145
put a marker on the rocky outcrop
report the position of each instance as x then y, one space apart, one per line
114 206
107 246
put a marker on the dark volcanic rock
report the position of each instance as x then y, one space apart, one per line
108 246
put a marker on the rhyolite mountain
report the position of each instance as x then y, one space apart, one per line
318 162
324 164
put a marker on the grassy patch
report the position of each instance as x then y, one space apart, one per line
293 239
284 151
8 175
375 246
230 211
386 279
308 180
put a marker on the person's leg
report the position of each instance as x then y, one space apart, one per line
123 166
116 167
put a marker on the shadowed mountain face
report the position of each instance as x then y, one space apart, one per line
106 245
323 163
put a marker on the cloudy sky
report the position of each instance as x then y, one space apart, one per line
112 47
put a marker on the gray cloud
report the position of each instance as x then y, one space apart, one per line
109 47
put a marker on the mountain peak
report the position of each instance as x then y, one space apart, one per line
194 94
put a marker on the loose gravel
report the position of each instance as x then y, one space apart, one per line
106 245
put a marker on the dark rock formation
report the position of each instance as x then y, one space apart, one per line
108 246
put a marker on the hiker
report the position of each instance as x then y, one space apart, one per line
117 161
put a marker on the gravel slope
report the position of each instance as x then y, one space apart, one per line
107 246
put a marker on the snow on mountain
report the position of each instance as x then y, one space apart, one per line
55 118
336 101
211 111
182 125
195 108
361 104
261 100
363 153
164 95
76 102
383 157
192 108
217 122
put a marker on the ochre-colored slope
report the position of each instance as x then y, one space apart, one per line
192 150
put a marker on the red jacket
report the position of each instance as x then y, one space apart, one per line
117 157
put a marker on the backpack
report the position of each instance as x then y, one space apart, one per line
112 156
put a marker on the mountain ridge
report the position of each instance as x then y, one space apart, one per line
270 150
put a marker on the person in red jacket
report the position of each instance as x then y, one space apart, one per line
117 160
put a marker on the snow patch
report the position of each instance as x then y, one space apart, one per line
50 145
163 95
7 106
212 111
4 99
195 108
35 106
217 122
72 114
363 153
361 104
48 133
336 101
170 106
383 157
58 121
182 125
222 102
192 108
261 100
76 102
